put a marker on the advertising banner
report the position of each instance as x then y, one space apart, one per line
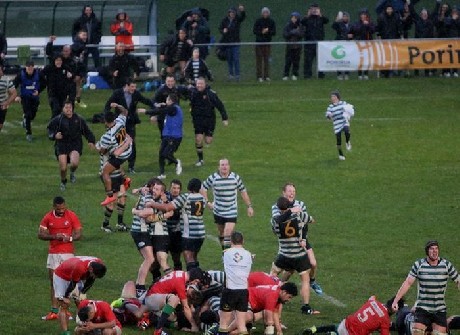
388 54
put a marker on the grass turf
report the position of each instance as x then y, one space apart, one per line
397 189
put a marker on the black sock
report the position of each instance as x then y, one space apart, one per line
77 99
121 211
64 181
107 215
140 290
326 329
109 193
340 152
199 152
192 265
178 266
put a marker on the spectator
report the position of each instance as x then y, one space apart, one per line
314 23
424 28
122 66
230 30
30 82
441 13
3 47
407 19
196 68
89 23
122 29
198 32
453 30
363 30
176 49
398 5
79 51
293 33
342 27
264 29
389 27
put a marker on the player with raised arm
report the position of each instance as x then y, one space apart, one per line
225 185
291 227
192 205
117 144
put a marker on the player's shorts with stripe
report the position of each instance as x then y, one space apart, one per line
222 221
234 300
428 318
299 264
192 244
54 260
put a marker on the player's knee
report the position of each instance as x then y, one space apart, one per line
275 270
419 331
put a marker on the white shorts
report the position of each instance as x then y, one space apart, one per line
54 260
341 329
156 301
60 286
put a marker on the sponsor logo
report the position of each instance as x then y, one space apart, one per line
237 257
338 52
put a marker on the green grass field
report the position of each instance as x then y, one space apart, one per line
398 188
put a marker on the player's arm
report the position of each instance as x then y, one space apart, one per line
143 99
247 201
86 132
403 290
150 210
269 322
277 320
189 315
123 146
219 105
44 234
123 111
12 94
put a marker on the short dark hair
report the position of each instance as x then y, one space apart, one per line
389 305
283 203
290 288
173 97
194 185
430 244
58 200
195 273
288 184
129 81
83 313
152 182
109 116
177 182
237 238
336 93
170 75
99 269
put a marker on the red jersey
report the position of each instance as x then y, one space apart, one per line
65 224
103 311
262 278
372 316
264 298
172 283
75 268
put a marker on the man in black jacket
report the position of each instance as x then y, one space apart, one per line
389 27
67 130
264 29
88 22
121 66
3 47
129 97
314 23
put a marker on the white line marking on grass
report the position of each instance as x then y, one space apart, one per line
332 300
213 238
375 119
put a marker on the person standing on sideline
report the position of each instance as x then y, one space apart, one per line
129 97
362 30
195 68
293 33
230 29
171 137
340 112
122 29
8 94
291 227
235 295
122 66
79 55
203 102
225 185
289 192
342 28
89 23
60 227
67 130
31 83
432 273
314 23
264 29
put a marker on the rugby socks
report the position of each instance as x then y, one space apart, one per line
109 193
107 215
64 181
121 212
227 243
222 331
54 310
166 271
178 266
165 313
199 151
340 151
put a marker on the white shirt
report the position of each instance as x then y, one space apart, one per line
237 266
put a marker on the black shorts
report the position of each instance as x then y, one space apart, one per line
234 300
2 115
160 243
116 162
65 148
428 318
299 264
142 240
222 221
455 323
204 126
175 241
116 183
192 244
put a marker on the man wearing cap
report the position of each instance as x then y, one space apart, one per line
314 23
230 29
264 29
432 273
